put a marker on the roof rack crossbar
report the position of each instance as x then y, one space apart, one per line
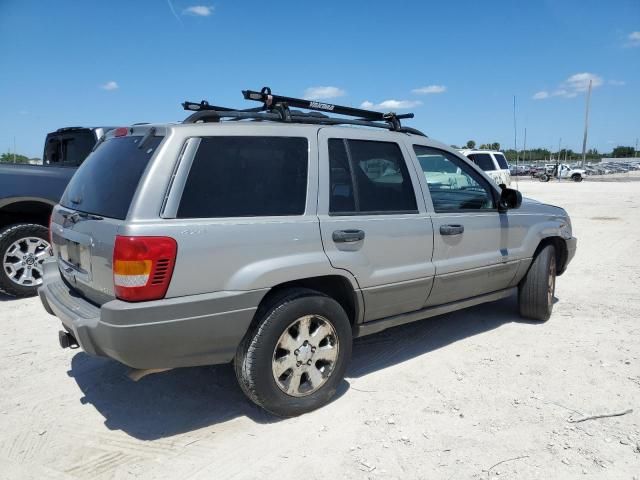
276 108
271 101
205 106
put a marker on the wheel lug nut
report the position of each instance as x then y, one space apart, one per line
309 362
297 352
298 363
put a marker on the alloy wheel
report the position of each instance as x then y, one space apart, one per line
305 355
23 260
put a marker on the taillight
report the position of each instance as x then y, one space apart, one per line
121 132
142 267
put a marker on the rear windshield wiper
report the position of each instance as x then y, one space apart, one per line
75 216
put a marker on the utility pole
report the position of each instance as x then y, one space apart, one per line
515 131
586 126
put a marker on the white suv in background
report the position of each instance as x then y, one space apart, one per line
492 162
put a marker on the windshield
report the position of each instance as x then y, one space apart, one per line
107 180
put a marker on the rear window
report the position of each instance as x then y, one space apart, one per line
68 148
107 180
501 161
483 160
246 177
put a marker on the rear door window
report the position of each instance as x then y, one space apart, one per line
107 180
483 160
246 177
369 177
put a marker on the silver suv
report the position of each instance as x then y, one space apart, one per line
275 240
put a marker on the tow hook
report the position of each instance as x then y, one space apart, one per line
67 340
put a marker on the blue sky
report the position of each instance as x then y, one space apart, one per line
455 64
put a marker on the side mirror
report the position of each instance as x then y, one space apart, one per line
509 198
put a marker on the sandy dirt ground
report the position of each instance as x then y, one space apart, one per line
475 394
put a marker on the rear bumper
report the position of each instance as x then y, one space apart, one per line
176 332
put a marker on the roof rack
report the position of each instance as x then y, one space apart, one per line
276 108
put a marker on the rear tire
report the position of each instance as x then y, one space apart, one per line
293 360
576 177
23 248
544 177
536 290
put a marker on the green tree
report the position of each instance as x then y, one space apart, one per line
623 152
471 144
495 146
9 158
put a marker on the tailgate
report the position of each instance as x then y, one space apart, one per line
83 248
94 207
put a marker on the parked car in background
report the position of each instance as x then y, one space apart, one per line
492 162
561 170
273 242
27 196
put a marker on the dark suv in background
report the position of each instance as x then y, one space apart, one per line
27 196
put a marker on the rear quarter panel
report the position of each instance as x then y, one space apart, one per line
226 254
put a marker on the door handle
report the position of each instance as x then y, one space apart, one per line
348 236
451 229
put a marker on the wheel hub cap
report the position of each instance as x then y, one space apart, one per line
305 355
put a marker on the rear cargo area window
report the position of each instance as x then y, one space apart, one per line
246 177
107 180
501 161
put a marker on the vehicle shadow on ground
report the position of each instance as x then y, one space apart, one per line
5 298
182 400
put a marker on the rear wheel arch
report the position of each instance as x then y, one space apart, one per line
337 287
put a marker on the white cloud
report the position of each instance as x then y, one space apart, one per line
111 85
563 92
198 10
429 89
580 81
633 39
617 83
323 93
573 86
391 104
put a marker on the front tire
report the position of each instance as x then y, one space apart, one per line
23 249
293 360
537 289
576 177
